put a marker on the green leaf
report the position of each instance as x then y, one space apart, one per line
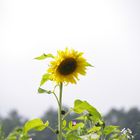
94 129
36 124
88 64
77 103
45 78
109 129
92 136
75 127
82 118
64 123
41 90
44 56
72 137
40 128
82 106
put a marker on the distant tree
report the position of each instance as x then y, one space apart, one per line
11 121
125 119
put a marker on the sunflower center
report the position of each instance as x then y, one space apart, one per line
67 66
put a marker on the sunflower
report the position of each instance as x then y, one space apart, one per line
67 66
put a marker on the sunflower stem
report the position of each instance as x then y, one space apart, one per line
59 113
56 99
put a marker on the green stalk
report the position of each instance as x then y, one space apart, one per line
59 113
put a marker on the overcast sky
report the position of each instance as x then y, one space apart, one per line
107 31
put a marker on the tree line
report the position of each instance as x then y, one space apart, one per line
124 119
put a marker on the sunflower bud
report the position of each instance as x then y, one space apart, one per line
63 112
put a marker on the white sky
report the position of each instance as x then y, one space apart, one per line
108 32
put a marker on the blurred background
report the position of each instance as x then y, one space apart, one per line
107 31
